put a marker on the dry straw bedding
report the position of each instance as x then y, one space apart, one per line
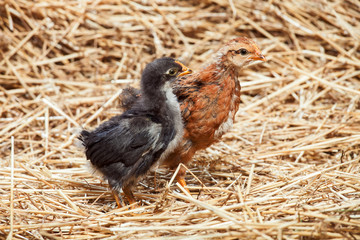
289 168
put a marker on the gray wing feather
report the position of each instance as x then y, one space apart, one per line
116 141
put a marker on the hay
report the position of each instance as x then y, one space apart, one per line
289 169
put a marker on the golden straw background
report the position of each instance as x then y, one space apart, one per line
289 168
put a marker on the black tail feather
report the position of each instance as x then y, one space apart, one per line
83 137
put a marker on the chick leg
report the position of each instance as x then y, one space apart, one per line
118 200
180 178
129 195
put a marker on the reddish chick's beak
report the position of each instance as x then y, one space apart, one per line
185 70
258 56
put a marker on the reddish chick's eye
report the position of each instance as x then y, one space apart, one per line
242 51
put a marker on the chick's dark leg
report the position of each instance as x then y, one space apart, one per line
118 200
129 195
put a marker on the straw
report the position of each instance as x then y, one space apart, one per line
288 168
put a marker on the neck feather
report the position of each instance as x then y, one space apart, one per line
219 69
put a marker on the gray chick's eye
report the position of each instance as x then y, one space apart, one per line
172 72
242 51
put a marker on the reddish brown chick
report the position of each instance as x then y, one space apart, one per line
209 100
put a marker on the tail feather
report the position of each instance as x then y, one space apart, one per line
83 137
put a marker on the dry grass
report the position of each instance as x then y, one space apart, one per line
289 169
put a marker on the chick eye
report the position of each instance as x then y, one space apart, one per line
172 72
242 51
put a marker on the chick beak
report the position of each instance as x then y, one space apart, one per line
258 56
185 70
